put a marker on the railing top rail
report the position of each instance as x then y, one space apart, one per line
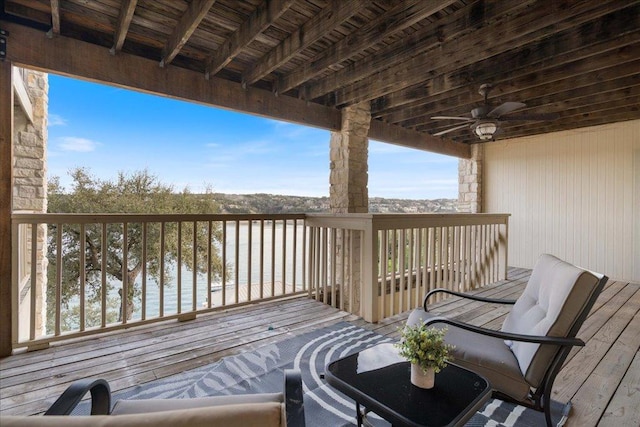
391 221
52 218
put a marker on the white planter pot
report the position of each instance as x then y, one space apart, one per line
422 379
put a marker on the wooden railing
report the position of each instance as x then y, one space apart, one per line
159 267
377 265
154 267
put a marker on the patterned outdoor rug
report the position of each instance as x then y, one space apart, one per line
262 371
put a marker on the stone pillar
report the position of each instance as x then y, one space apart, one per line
349 177
349 194
470 181
30 194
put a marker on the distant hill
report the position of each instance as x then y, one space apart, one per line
275 203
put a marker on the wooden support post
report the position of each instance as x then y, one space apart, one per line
6 183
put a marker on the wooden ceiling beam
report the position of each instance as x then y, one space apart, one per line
397 135
55 16
617 30
605 108
330 17
124 21
264 15
187 24
402 16
79 59
529 26
528 87
528 82
462 22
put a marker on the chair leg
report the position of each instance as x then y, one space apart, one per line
546 401
547 414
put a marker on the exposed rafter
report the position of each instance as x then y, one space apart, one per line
124 20
55 16
267 12
527 27
411 59
195 13
308 33
402 16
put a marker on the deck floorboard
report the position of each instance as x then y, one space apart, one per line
602 379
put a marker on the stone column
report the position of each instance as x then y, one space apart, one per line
349 177
349 194
470 181
30 192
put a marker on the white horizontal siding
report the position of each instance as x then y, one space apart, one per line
575 194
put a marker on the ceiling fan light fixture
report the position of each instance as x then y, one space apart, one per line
485 130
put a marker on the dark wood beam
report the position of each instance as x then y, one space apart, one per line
187 24
55 16
265 14
331 16
453 26
402 16
528 26
7 314
397 135
76 58
609 65
617 29
122 28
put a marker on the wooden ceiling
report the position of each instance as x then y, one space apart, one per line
304 60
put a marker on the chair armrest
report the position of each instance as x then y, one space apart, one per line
538 339
100 397
293 400
467 296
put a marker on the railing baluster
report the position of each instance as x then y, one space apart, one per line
125 273
145 227
103 278
58 281
261 258
81 260
273 258
163 248
283 275
179 273
249 257
236 260
33 279
209 261
224 264
194 277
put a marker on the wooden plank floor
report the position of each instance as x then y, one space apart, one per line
602 379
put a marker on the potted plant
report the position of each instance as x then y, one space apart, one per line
427 352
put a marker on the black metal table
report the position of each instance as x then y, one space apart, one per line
379 379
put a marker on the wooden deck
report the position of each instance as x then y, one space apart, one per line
602 379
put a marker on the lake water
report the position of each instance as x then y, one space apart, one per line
268 241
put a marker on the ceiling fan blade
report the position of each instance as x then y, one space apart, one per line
535 117
451 129
468 119
505 108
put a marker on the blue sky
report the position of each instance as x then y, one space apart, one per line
109 130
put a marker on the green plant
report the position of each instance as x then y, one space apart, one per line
425 347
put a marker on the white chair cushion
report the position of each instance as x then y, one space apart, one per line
556 294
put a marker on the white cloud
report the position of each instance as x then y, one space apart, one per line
57 120
81 145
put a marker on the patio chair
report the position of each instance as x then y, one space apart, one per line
248 410
522 359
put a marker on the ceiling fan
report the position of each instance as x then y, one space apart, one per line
485 120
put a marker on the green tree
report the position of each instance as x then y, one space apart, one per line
138 192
